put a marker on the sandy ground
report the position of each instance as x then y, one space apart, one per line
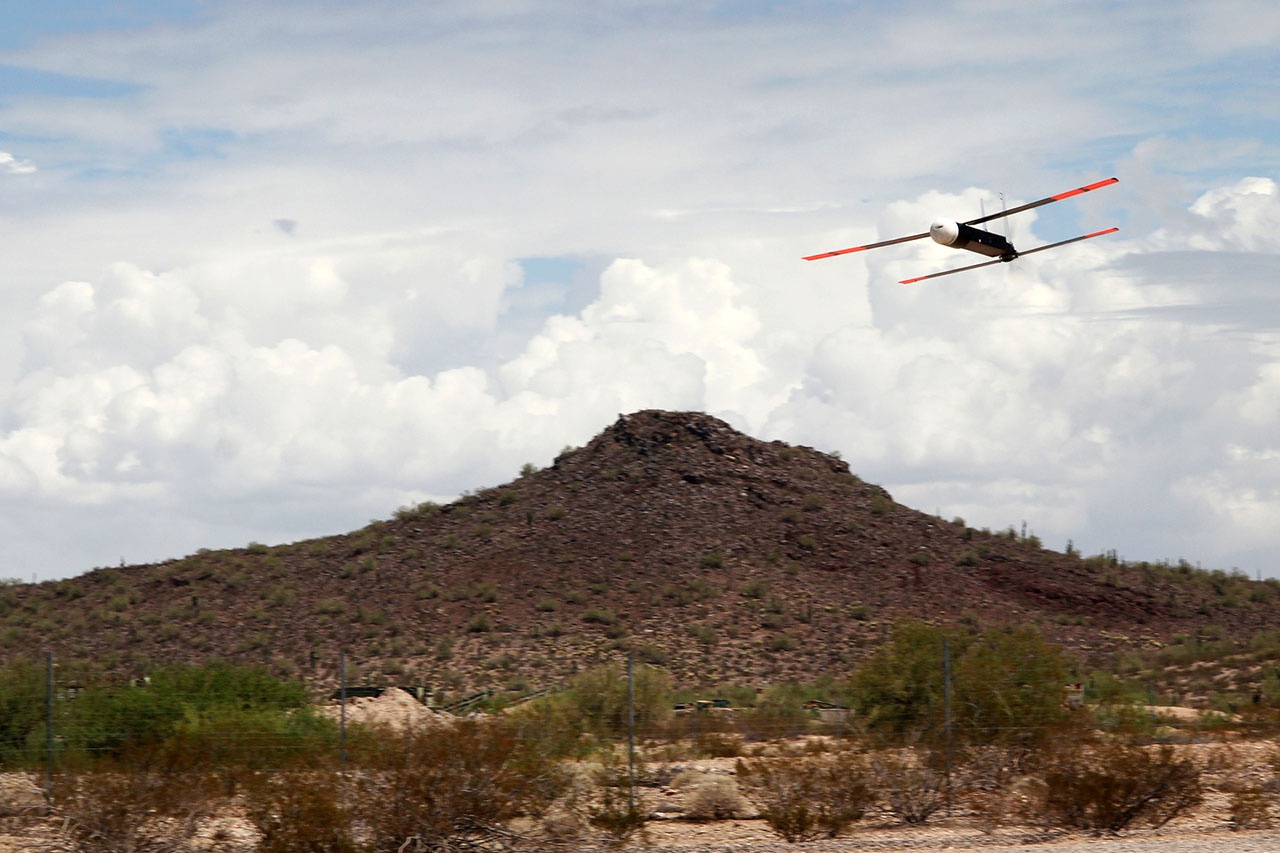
1226 766
751 836
745 837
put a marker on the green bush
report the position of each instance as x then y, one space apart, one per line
232 712
1006 686
596 703
599 616
782 643
22 709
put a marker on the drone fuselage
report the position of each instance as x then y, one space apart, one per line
957 235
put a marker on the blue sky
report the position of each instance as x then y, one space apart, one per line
27 23
274 269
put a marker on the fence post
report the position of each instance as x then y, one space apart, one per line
631 731
342 711
48 722
946 704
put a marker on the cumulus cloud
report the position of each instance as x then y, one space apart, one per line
991 396
1003 387
183 366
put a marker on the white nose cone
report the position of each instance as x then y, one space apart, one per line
944 231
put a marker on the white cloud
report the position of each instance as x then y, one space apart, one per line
14 166
1244 217
273 286
279 373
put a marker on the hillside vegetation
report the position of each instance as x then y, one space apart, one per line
670 536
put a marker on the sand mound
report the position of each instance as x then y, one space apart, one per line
19 795
395 708
1185 715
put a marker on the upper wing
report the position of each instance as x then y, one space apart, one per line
1059 197
868 246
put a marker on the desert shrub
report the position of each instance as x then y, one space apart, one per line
616 814
1107 787
128 810
802 799
713 744
703 633
993 782
782 643
299 812
909 790
714 798
456 786
599 616
1250 808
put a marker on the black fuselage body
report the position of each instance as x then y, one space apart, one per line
984 243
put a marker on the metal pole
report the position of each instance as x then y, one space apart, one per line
946 706
48 722
342 711
631 732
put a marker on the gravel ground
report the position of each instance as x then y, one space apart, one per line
1246 842
1161 841
38 838
1206 830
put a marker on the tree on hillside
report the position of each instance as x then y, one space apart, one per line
1006 685
599 698
899 691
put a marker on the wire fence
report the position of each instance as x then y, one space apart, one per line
52 722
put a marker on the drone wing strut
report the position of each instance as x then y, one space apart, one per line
1059 197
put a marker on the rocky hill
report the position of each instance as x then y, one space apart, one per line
669 535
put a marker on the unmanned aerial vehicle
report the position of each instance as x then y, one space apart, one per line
962 235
